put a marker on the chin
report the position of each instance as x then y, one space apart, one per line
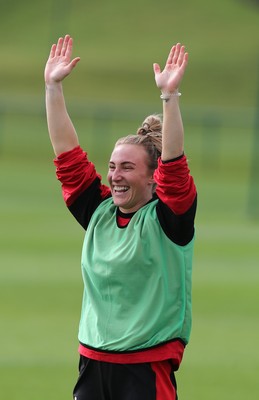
117 202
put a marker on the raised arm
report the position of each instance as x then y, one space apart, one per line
168 81
61 130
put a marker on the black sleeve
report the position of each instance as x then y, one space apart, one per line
178 228
86 203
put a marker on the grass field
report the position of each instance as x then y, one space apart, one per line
40 243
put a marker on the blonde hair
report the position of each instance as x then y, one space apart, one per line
149 135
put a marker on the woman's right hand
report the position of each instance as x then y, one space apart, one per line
59 63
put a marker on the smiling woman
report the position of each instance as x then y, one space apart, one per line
130 179
137 253
137 155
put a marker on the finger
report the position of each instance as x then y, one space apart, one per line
68 68
181 56
183 66
59 46
176 53
69 48
74 62
156 68
52 51
65 45
170 55
185 60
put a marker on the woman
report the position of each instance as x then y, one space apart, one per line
137 252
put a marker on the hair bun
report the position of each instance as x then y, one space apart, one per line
144 129
151 130
151 124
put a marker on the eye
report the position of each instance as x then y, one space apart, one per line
111 167
128 167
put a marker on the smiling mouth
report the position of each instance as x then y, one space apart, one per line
120 189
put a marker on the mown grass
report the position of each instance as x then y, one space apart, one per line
41 282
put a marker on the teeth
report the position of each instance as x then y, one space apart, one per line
120 188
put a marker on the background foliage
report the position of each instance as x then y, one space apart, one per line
108 96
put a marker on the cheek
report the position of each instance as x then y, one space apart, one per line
108 176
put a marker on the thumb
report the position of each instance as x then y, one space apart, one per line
156 68
74 62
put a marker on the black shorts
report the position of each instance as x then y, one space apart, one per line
100 380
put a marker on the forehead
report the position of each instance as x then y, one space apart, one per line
129 153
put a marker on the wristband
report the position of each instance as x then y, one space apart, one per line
167 96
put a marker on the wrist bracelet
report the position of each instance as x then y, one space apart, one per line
167 96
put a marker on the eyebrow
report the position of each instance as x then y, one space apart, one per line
123 163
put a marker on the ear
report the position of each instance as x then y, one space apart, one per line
151 180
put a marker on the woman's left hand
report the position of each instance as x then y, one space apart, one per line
168 80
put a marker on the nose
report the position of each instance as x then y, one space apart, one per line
116 175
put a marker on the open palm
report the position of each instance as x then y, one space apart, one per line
59 63
169 79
